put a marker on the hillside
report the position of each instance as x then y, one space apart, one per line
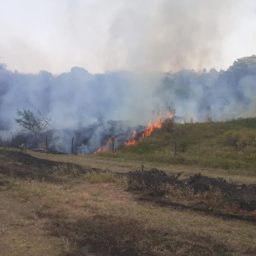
227 145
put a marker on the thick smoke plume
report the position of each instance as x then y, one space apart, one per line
81 104
145 37
171 35
142 35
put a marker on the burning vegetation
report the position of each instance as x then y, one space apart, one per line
108 146
136 136
151 128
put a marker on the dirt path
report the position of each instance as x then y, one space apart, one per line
119 164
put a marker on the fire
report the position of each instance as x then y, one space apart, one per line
105 148
136 136
132 140
151 128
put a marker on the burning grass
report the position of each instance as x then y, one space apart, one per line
136 136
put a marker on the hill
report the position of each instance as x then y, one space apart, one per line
227 145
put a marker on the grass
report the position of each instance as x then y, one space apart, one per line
225 145
73 205
100 177
89 214
123 163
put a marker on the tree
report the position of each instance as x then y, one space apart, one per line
28 120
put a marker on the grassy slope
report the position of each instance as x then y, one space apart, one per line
226 145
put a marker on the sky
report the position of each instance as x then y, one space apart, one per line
139 35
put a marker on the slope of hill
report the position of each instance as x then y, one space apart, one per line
227 145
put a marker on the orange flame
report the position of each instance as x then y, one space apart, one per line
151 127
132 140
135 137
105 147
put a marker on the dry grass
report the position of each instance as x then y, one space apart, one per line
78 217
100 177
117 163
102 219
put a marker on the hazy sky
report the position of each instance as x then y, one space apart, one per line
137 35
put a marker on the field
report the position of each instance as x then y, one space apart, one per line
71 205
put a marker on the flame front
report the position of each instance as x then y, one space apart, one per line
132 140
105 147
151 127
135 136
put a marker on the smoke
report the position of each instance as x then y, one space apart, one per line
69 99
81 104
78 98
216 95
171 35
142 35
163 44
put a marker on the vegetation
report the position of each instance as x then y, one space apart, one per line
100 177
226 145
32 122
60 208
95 205
36 125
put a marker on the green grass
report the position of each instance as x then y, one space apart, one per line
226 145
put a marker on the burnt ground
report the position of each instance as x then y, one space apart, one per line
20 165
201 193
53 208
117 235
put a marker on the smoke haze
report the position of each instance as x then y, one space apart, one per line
82 104
143 57
139 36
78 98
